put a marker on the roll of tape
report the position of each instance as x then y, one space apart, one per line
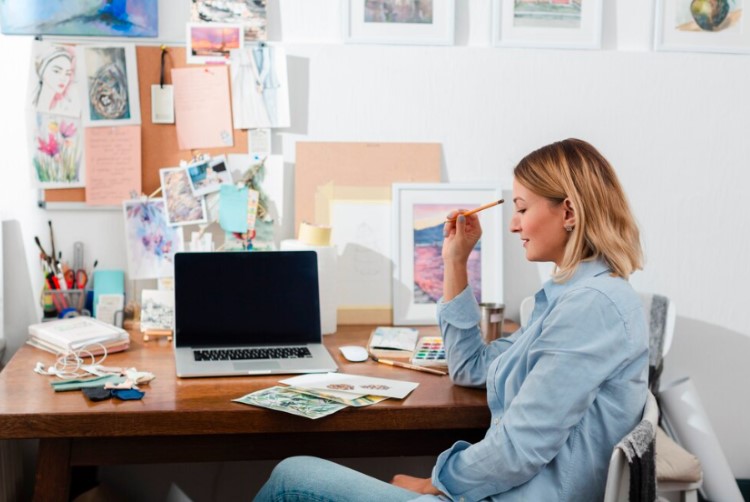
314 235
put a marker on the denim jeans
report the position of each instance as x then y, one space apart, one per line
318 480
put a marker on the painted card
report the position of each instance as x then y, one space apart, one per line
56 150
211 42
260 91
113 18
183 207
150 241
428 221
53 81
354 384
157 309
250 14
282 399
110 85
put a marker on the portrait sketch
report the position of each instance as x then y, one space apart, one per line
53 83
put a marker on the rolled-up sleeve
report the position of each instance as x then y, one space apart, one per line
574 353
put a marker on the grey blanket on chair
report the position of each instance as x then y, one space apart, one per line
639 449
657 324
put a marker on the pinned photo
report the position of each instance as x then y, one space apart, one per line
183 208
207 176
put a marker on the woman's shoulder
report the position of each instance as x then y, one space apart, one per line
607 289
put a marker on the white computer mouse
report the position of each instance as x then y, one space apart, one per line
354 353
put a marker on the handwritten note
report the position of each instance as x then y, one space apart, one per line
202 107
113 164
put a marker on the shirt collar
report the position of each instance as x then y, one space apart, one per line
584 270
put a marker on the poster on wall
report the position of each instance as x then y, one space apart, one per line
102 18
110 85
250 14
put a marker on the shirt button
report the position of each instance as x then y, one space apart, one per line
461 499
496 421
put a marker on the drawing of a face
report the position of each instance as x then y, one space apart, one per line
57 74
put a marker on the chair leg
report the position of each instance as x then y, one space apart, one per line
689 496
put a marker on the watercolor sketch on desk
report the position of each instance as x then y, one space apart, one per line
157 309
54 79
110 78
102 18
251 15
150 241
183 207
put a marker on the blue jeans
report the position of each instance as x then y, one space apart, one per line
315 479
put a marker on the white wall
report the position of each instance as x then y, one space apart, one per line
674 125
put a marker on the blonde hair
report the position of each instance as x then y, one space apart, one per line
605 228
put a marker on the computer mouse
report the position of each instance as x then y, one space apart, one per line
354 353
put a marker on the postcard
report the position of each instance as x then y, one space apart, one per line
282 399
355 384
207 176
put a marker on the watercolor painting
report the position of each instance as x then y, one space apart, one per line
57 150
398 11
428 246
53 82
212 42
708 15
183 208
157 309
102 18
251 14
149 239
547 13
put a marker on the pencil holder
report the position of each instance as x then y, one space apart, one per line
62 303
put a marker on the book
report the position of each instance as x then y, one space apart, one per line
392 342
70 335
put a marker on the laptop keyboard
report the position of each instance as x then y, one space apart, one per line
245 354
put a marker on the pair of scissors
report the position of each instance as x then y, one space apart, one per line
76 279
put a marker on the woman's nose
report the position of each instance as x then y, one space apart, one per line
515 223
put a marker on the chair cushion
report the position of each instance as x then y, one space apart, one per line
673 462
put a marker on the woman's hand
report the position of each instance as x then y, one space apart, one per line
419 485
461 235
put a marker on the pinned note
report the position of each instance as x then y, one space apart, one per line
233 204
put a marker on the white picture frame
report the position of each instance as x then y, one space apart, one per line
675 29
422 207
532 24
110 85
433 24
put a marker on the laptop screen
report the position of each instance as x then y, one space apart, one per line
246 298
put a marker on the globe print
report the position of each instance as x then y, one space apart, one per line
709 14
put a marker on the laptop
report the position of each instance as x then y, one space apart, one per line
248 313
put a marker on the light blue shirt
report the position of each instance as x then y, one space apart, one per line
562 391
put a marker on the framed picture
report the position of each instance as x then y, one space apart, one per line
419 212
250 14
212 42
101 18
701 26
564 24
111 85
428 22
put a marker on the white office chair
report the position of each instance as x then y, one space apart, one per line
675 467
618 475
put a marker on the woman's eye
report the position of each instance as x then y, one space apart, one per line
520 211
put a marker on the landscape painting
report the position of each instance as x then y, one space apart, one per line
547 13
102 18
428 245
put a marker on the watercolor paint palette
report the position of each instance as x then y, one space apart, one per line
429 352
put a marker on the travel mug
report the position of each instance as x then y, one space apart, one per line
491 322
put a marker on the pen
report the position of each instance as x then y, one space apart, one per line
477 209
408 366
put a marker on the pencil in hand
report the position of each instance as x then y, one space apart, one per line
476 209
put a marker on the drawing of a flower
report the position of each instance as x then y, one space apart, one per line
67 129
58 152
50 147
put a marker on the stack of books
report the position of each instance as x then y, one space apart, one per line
78 333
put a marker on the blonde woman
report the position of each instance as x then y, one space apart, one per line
563 390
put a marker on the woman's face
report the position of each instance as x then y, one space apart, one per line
540 224
57 74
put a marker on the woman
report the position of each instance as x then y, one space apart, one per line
563 390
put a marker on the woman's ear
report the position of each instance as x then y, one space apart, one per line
570 214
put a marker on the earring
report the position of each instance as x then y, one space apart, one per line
568 228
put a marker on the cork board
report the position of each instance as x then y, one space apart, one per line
158 141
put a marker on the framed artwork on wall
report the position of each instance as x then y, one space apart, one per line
701 26
417 22
419 212
561 24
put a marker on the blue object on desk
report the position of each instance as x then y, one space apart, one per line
108 282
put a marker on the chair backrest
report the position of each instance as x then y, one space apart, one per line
618 475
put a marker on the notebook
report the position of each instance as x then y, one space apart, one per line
248 313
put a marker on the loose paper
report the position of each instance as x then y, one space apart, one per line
202 107
113 157
354 384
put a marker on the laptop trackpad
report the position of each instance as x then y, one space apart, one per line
257 366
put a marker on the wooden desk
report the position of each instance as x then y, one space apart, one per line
194 420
